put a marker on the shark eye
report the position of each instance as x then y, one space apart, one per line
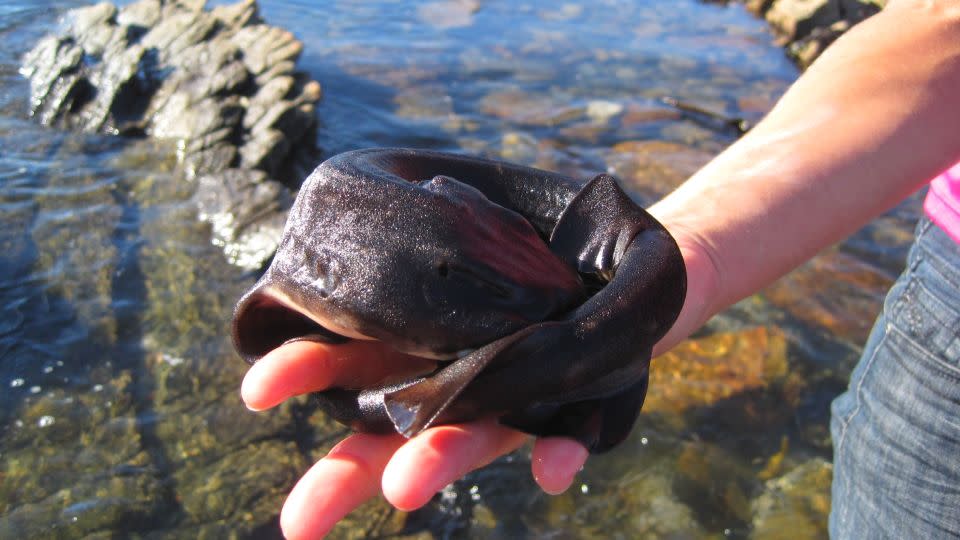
443 269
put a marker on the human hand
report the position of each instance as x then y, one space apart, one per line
407 472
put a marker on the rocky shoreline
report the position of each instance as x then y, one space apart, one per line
806 27
221 83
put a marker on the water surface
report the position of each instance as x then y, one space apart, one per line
119 413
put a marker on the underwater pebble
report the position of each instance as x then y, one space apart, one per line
45 421
602 110
172 360
446 14
16 383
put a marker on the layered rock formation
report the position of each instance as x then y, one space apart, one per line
807 27
220 82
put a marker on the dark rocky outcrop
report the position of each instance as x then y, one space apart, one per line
220 82
806 27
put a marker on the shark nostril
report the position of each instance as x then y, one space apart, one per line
320 273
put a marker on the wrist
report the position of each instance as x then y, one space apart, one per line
703 287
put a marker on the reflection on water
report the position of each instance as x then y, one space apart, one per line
119 412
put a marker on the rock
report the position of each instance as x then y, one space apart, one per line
227 465
53 67
210 160
624 501
651 169
245 487
444 14
759 7
81 20
834 291
638 115
237 15
246 211
518 147
222 83
530 109
424 102
717 479
139 15
601 111
806 27
794 19
75 463
115 83
266 96
804 51
701 372
798 502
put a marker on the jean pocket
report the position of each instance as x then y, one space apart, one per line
929 319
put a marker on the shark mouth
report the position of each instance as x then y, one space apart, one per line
267 319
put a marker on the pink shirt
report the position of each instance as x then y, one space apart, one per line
942 204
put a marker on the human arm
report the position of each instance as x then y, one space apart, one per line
870 122
867 124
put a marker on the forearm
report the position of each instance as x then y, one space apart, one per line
871 121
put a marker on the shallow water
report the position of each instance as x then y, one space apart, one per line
119 412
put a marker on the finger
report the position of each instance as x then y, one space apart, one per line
302 367
440 455
555 462
335 485
287 371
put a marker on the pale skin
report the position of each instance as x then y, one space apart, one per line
869 123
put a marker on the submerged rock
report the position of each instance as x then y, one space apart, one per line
615 498
220 82
444 14
652 168
702 372
844 306
795 505
76 463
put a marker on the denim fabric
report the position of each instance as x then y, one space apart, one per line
896 430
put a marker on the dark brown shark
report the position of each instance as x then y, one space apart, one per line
540 296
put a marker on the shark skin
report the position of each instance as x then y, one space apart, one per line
539 296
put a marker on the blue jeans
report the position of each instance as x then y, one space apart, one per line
896 430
